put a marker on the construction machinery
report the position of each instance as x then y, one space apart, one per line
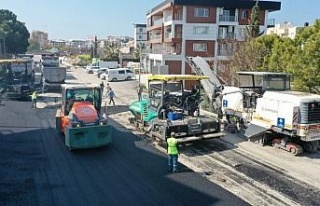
16 77
81 118
273 114
53 75
170 107
267 111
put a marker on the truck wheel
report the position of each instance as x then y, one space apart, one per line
294 149
311 146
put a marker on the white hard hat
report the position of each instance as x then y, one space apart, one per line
173 134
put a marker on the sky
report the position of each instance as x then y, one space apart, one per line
81 19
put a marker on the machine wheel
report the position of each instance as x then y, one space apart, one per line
311 146
294 149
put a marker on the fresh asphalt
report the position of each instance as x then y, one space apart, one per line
37 168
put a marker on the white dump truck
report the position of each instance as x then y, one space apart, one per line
53 75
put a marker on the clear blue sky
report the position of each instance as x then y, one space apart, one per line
68 19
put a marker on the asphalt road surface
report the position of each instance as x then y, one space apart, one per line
37 168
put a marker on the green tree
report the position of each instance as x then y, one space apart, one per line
254 22
138 51
34 46
306 68
16 34
111 51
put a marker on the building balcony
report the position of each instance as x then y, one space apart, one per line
169 37
166 51
227 18
168 18
226 49
271 23
155 39
225 52
227 36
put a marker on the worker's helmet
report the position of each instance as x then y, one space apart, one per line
173 134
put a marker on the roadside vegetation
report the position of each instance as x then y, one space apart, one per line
299 57
14 34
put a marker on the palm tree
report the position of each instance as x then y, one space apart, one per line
111 51
138 50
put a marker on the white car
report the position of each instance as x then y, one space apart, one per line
118 74
92 69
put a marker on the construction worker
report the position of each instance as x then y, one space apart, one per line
108 87
139 91
111 95
34 98
173 153
102 87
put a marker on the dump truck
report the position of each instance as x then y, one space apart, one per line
170 107
81 118
53 75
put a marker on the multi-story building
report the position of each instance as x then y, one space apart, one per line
140 35
210 29
57 43
285 29
40 36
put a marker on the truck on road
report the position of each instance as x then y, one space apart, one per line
53 75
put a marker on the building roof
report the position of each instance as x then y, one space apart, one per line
140 25
242 4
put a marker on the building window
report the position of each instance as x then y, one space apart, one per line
244 14
201 12
200 30
200 47
140 30
140 37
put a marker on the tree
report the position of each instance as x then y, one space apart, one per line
16 34
138 50
111 51
306 61
34 46
254 22
246 56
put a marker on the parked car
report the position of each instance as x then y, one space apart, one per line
92 69
118 74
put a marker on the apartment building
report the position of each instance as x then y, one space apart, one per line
285 29
210 29
140 35
56 43
40 36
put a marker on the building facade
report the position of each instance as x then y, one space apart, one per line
210 29
140 36
41 37
285 29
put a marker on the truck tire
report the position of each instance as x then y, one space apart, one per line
311 146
